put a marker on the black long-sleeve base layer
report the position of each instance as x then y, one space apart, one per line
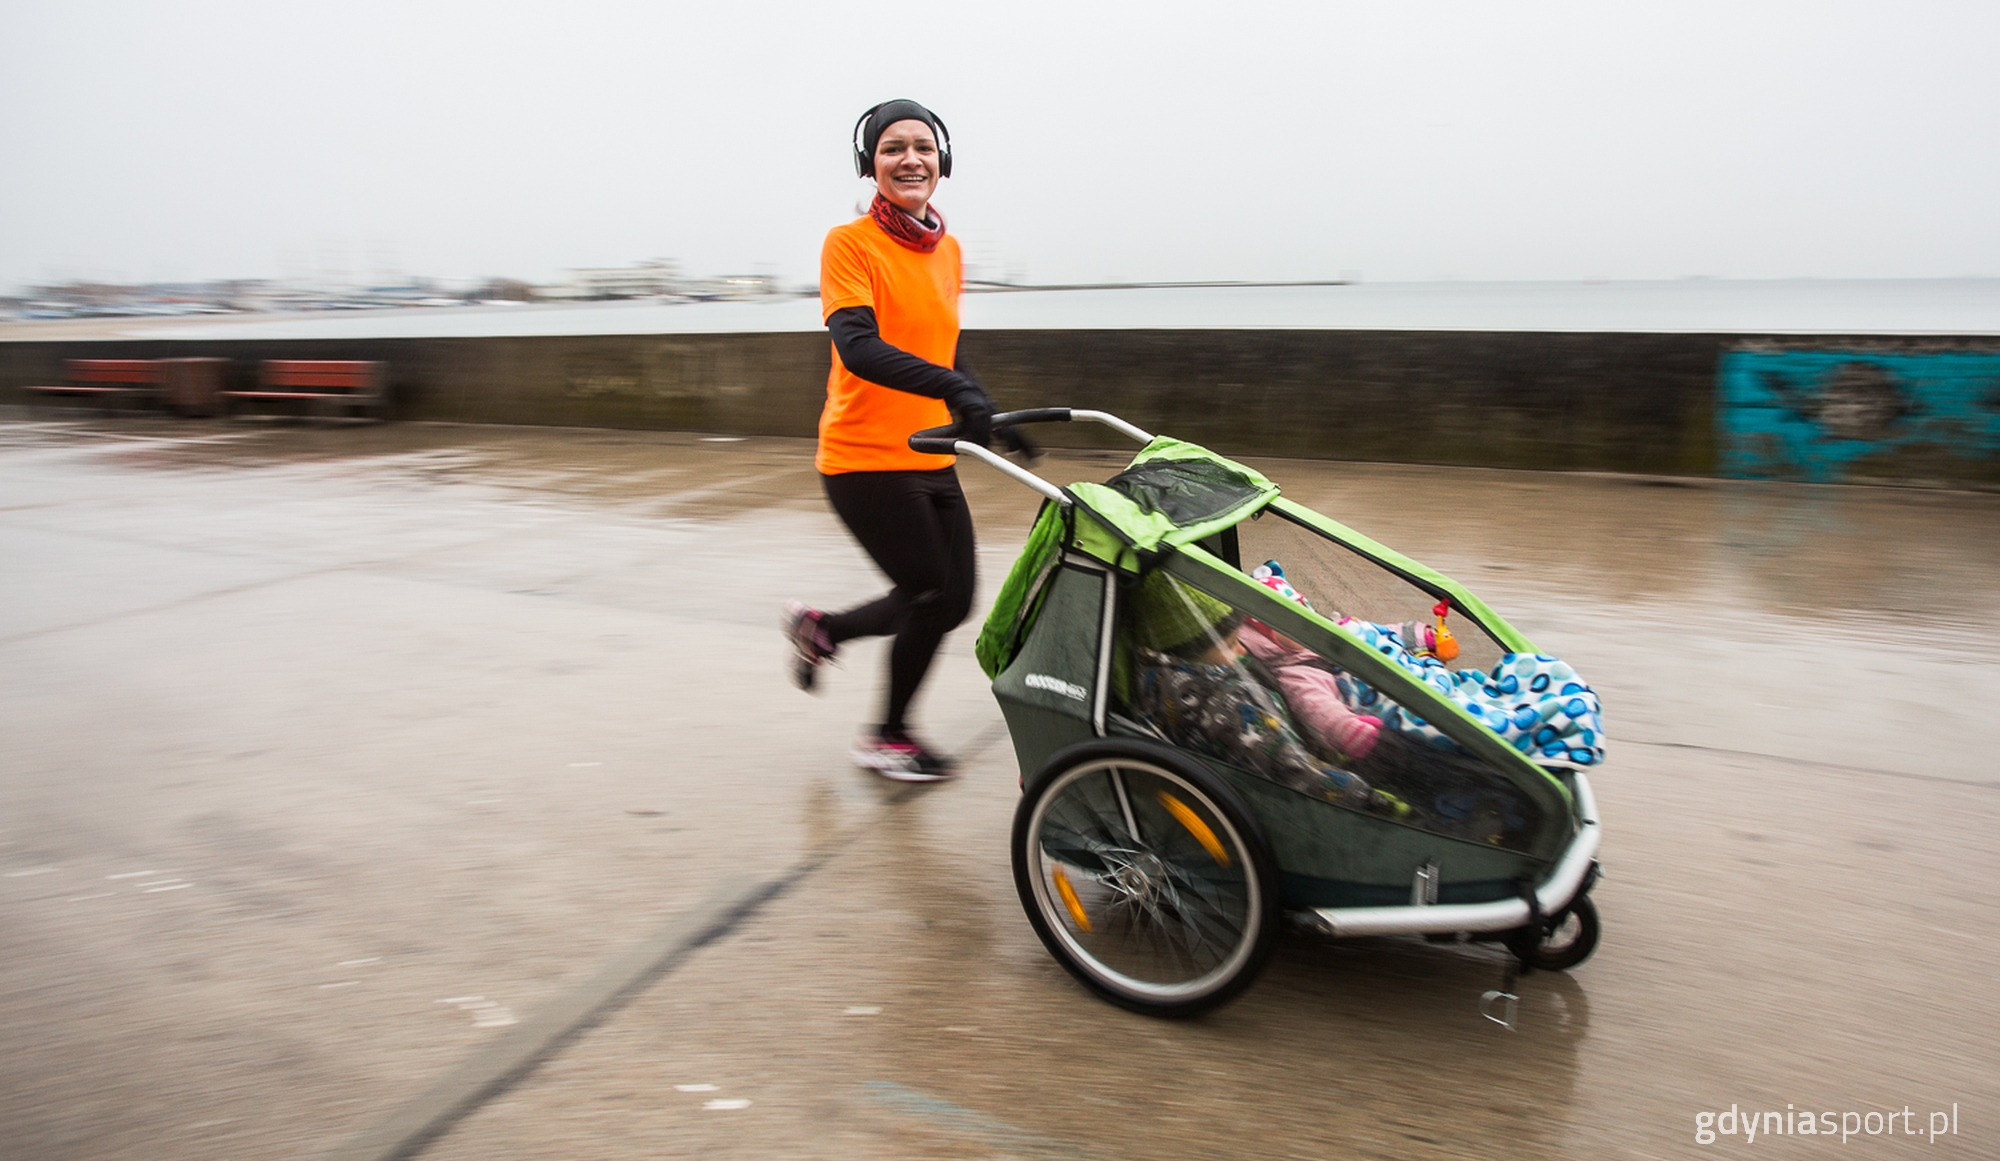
863 350
918 529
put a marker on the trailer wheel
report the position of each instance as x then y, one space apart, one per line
1569 942
1145 877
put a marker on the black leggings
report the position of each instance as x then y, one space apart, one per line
918 529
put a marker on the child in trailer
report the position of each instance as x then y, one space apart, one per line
1193 682
1310 690
1216 682
1537 703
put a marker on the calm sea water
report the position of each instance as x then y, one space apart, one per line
1694 306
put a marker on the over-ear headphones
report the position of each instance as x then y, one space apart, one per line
864 157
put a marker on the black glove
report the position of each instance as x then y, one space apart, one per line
972 411
1017 442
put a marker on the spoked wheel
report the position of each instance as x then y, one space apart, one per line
1570 941
1144 876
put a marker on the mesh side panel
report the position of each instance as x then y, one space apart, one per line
1186 493
1207 679
1339 581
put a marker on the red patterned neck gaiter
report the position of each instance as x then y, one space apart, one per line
906 229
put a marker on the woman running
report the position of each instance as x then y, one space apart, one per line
889 285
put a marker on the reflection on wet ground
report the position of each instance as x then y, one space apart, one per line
1896 555
336 748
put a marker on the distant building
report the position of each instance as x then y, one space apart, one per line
732 286
660 278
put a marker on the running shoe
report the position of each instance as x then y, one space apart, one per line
901 757
810 645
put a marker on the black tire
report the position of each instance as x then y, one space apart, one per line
1569 942
1170 921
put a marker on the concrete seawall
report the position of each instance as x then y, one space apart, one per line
1612 402
1646 403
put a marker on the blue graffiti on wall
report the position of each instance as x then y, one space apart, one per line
1809 415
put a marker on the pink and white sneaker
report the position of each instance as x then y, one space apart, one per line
900 757
811 647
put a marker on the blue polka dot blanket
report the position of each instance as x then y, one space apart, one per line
1537 703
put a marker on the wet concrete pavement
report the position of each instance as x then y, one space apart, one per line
335 752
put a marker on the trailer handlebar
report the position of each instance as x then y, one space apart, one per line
944 441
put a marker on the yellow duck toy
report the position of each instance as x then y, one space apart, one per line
1446 646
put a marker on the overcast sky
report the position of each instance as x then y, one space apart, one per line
1156 140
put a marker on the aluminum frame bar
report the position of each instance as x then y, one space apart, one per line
1002 464
1113 422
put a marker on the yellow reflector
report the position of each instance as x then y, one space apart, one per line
1069 898
1185 815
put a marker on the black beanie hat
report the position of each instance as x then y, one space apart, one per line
888 113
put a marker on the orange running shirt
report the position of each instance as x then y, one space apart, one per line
865 426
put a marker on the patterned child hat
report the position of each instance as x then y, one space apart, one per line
1170 615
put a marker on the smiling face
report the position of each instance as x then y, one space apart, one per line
906 166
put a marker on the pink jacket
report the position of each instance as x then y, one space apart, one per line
1311 693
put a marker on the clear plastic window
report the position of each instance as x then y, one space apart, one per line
1339 582
1210 678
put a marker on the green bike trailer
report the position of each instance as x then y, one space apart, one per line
1155 862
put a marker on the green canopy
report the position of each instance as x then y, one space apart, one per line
1174 493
